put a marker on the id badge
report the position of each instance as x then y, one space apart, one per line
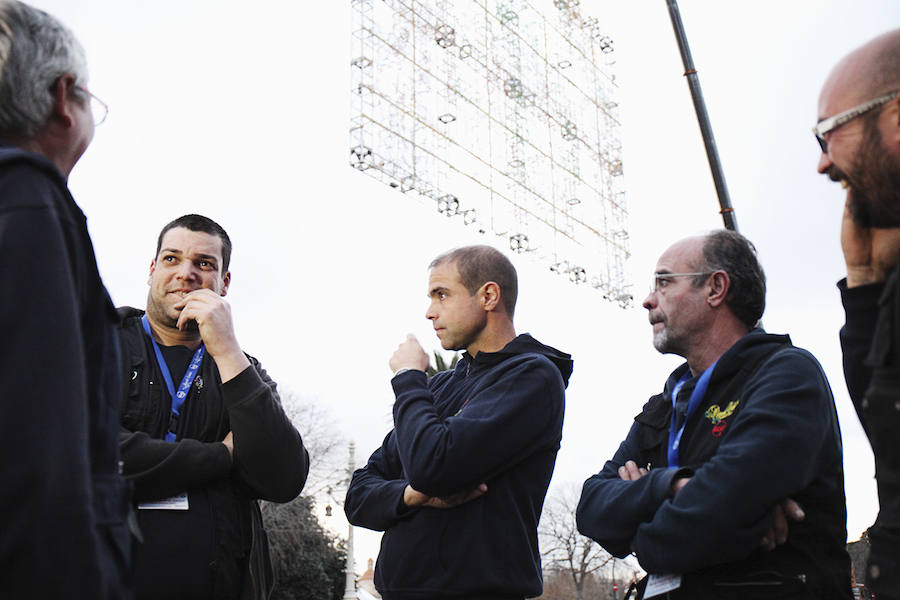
660 584
178 502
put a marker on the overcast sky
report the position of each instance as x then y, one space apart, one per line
240 111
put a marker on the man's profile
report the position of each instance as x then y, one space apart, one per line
63 532
459 484
859 136
729 484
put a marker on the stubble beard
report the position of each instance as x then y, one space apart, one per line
158 313
455 344
874 182
665 343
661 342
462 339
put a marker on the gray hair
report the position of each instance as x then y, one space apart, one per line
729 251
35 51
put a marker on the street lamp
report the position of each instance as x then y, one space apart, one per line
350 567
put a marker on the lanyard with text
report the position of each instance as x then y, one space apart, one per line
188 379
696 399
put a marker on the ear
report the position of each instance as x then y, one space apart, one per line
892 135
226 281
152 268
489 294
719 284
63 92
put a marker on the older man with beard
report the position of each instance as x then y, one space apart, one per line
742 433
859 133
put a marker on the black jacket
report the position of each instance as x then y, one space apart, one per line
269 462
62 500
495 419
766 430
870 340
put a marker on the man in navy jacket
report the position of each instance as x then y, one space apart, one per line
63 531
743 433
459 484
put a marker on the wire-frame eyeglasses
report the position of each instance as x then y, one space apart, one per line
99 108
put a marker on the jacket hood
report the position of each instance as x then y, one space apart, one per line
523 344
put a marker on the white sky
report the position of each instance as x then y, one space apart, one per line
240 111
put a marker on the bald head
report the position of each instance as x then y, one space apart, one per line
863 149
871 70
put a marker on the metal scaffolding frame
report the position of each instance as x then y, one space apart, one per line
504 118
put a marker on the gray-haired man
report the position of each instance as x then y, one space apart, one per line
62 500
741 435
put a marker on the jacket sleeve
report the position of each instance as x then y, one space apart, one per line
861 310
611 509
776 446
161 469
514 414
46 494
375 496
269 457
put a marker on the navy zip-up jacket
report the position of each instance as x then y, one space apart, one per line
496 419
765 430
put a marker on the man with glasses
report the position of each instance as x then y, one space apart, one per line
859 135
743 436
64 506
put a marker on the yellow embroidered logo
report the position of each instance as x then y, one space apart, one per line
716 414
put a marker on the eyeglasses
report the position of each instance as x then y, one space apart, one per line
831 123
99 108
661 280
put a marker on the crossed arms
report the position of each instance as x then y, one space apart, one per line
444 455
268 461
780 442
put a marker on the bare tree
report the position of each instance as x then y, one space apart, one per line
327 447
564 550
308 559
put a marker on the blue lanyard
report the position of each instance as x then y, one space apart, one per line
178 397
696 399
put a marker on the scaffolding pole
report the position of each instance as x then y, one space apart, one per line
709 141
